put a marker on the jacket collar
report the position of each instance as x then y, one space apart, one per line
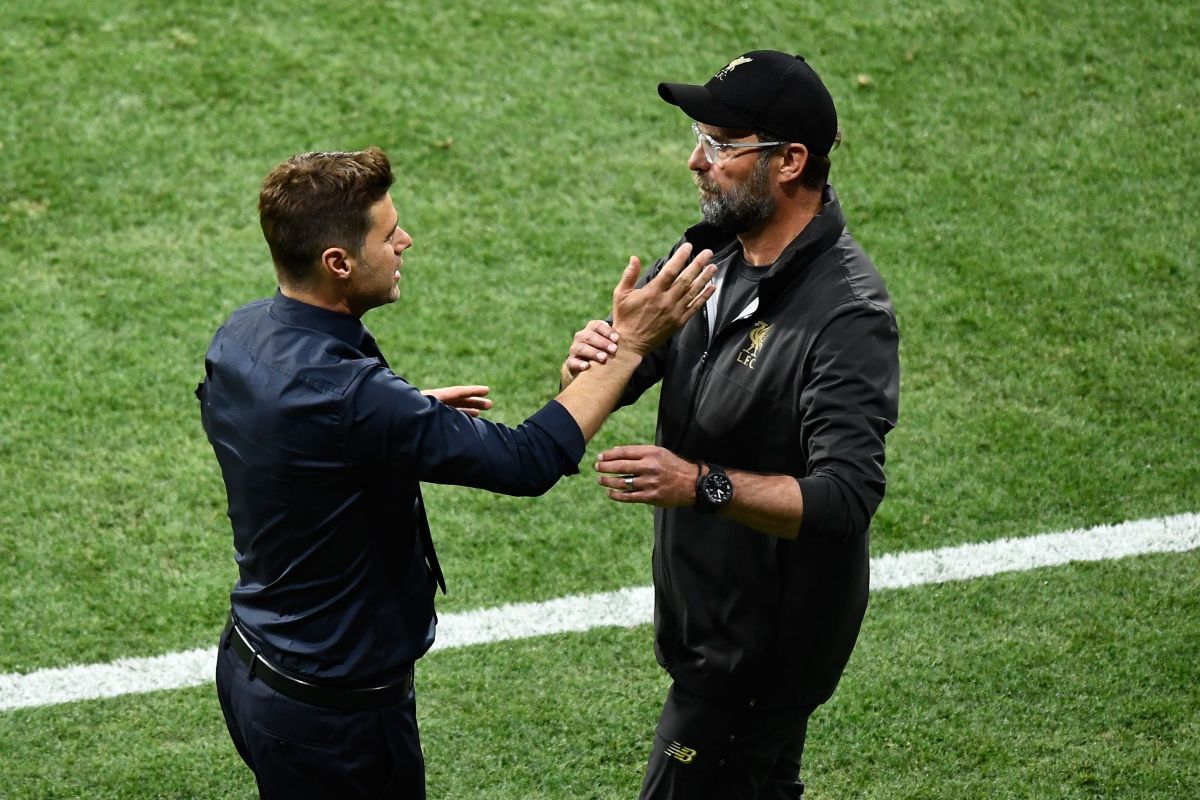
346 327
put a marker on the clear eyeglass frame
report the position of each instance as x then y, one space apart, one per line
712 149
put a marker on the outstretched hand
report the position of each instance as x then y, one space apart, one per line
468 399
647 317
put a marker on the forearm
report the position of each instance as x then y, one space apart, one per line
595 392
771 504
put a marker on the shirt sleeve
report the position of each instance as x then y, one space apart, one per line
853 402
392 422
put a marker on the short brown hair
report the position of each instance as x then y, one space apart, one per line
314 201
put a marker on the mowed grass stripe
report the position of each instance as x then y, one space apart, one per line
630 607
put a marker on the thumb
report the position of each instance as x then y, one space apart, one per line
629 277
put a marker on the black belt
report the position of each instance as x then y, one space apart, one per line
305 690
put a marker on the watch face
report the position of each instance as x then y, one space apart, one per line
718 489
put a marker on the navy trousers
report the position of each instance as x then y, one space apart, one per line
705 749
299 751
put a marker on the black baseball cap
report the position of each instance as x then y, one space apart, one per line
763 90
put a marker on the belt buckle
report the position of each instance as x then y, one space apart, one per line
255 655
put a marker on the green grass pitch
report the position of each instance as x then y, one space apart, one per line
1024 174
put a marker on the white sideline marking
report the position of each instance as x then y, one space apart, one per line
628 607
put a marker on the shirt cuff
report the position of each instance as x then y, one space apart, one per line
815 494
560 426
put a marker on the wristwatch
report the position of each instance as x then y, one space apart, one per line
714 491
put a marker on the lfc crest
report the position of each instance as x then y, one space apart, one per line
758 335
731 66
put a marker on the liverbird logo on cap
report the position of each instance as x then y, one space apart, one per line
731 66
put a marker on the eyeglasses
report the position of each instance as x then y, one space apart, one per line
712 149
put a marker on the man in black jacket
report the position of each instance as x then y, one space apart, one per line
768 466
323 449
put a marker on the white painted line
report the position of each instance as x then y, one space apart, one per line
1103 543
48 687
628 607
624 608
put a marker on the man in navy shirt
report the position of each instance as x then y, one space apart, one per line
322 449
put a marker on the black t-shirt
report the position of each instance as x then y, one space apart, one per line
738 288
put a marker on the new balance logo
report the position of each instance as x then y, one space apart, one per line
682 754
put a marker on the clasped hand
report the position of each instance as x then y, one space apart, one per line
646 317
598 340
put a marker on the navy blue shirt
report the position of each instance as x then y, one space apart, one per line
322 448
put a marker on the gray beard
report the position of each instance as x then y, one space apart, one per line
742 207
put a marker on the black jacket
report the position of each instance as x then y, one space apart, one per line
805 383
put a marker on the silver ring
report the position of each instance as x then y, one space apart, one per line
629 483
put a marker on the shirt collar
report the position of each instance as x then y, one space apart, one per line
346 327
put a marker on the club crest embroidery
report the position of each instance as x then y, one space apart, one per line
682 754
758 336
731 66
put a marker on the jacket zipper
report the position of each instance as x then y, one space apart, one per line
700 373
702 370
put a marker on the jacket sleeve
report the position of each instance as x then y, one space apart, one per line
852 402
